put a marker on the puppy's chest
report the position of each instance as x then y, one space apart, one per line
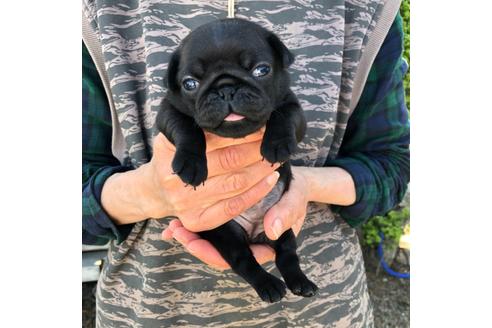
252 219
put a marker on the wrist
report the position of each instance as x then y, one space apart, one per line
304 174
152 202
330 185
122 197
143 190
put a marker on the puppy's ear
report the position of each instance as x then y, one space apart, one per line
280 50
172 71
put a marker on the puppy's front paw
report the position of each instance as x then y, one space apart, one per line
190 167
270 288
301 285
278 149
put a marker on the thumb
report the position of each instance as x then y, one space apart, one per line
280 217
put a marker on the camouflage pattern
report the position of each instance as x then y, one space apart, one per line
148 282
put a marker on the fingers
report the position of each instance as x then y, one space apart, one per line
200 248
205 251
213 141
216 142
285 214
229 185
167 234
263 253
233 158
227 209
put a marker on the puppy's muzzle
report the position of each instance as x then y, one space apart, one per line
224 78
227 93
226 90
230 98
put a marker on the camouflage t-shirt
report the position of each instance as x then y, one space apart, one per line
147 282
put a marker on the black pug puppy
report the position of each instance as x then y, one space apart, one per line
230 77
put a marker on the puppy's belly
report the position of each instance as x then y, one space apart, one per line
252 219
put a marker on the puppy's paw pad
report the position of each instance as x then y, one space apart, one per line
191 168
278 150
302 286
271 289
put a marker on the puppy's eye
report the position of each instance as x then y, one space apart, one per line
261 70
190 84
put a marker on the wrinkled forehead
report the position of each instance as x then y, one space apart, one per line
225 43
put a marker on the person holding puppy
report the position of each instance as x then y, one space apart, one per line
347 76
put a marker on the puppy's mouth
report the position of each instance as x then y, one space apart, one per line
233 117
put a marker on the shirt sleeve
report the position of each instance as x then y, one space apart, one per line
98 162
375 150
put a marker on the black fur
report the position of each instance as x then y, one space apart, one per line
221 56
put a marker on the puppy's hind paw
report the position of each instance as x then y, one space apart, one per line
302 286
271 289
190 167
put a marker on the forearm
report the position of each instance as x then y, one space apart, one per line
331 185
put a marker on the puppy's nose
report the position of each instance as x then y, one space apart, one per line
226 92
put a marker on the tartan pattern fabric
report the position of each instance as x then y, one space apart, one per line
98 163
374 150
97 227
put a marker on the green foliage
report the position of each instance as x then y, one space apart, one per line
391 225
405 14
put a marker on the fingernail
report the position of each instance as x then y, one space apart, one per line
277 227
272 178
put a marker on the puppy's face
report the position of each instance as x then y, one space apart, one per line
229 75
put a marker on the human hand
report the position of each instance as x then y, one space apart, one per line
205 251
291 210
237 179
